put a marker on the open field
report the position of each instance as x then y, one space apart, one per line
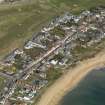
19 21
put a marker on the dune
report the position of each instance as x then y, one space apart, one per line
70 80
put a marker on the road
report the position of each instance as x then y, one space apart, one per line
26 71
5 75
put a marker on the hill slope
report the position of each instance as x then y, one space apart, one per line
18 21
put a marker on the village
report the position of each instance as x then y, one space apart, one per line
59 45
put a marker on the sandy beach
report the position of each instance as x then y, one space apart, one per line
70 80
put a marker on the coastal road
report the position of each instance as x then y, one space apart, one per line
28 69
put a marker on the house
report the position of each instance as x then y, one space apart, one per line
31 44
10 59
43 75
53 62
40 83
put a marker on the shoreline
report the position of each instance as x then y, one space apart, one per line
70 80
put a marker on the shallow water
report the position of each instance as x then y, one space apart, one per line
90 91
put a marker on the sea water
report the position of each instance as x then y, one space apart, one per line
90 91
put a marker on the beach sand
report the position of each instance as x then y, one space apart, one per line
70 80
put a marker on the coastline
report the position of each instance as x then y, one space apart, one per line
70 80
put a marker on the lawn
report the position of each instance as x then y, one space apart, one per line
2 84
20 20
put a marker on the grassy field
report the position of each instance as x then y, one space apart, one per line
19 21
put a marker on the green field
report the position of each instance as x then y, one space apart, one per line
19 21
2 84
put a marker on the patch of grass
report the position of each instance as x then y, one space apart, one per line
81 52
58 31
53 74
34 52
11 69
77 5
1 83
